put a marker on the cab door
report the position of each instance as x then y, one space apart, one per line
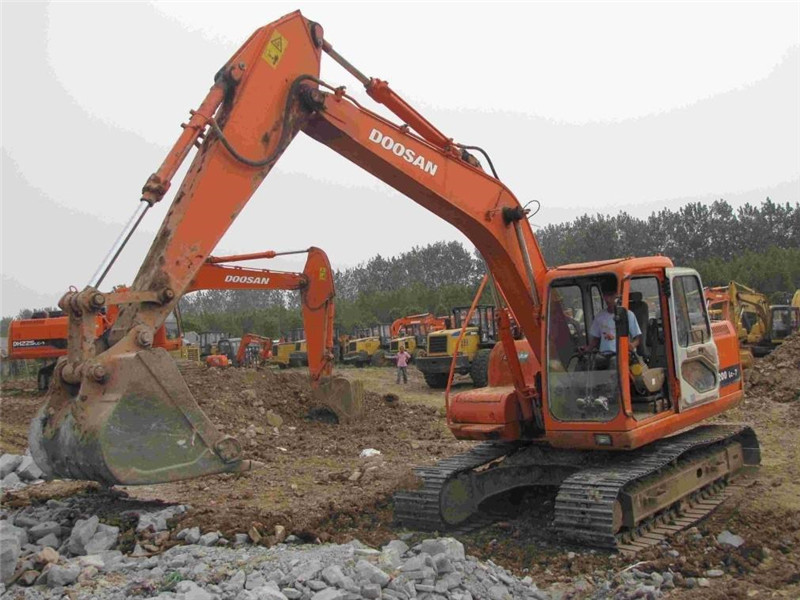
694 350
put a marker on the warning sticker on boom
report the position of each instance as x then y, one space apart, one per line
274 49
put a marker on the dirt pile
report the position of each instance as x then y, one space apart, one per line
269 410
314 480
777 376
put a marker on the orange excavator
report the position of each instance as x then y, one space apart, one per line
45 337
262 346
315 284
610 412
411 332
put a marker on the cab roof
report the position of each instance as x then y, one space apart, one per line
622 267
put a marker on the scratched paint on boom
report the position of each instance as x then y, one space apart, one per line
398 149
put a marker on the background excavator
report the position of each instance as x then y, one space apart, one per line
412 331
45 337
315 281
760 326
470 352
254 350
624 442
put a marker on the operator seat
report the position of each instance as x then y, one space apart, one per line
641 311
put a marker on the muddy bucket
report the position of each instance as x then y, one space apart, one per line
136 423
342 397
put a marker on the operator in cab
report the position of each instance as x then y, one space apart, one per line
603 332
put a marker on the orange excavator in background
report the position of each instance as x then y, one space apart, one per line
315 284
46 338
620 432
254 349
412 331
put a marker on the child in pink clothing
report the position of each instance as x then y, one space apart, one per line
402 359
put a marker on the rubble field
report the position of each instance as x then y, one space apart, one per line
316 488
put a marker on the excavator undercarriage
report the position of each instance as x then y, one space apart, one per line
607 500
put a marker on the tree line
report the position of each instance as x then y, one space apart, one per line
756 245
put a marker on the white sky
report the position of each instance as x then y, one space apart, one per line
586 107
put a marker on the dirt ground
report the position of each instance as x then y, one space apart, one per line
315 484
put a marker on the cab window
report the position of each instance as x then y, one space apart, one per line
690 311
582 386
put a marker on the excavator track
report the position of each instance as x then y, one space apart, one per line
594 486
421 508
587 501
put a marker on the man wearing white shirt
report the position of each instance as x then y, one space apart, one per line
603 332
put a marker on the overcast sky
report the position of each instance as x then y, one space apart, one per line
585 107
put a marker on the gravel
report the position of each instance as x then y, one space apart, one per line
63 548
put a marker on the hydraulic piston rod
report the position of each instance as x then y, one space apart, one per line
122 240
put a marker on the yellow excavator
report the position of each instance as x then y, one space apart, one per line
759 325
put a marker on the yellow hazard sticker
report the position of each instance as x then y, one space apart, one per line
323 273
274 49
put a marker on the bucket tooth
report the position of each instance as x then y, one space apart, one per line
141 425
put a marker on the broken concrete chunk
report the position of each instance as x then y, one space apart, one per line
82 532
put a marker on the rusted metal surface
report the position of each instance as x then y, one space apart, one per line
125 415
344 398
139 425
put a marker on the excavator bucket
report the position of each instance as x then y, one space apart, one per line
133 422
342 397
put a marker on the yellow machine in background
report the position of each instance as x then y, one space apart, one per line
290 354
759 326
368 346
411 333
473 354
784 320
292 351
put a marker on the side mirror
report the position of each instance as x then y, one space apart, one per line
621 321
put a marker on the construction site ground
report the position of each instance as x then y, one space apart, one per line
315 483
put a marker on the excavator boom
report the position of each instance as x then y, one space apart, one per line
259 101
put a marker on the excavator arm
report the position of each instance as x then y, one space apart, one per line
426 320
315 284
267 92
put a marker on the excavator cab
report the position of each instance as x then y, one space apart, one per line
656 361
784 321
209 342
585 358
